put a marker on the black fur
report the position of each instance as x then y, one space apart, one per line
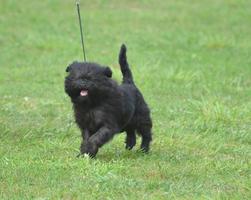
105 108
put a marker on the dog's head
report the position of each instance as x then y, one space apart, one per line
87 82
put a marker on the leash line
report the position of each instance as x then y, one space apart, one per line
81 29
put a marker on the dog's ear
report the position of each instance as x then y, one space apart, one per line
68 68
107 72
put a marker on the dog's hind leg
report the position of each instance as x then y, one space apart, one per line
130 139
146 134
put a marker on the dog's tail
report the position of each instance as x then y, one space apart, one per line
126 72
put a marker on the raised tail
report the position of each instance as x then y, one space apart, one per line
126 72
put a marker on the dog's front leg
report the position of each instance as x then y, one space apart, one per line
97 140
85 138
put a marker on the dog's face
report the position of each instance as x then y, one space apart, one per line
87 82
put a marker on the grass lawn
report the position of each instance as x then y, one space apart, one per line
191 60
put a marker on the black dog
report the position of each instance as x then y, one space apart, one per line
103 108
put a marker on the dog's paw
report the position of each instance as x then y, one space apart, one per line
129 146
144 149
84 155
130 142
91 149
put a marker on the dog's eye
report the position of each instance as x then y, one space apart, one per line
85 77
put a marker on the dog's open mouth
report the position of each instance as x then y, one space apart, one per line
83 93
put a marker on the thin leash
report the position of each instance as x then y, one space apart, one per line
81 29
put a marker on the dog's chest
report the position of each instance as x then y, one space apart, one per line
92 119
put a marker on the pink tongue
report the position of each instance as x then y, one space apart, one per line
83 93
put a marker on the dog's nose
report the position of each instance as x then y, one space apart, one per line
81 83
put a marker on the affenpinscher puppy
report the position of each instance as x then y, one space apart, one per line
103 108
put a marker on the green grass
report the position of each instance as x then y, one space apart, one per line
191 59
